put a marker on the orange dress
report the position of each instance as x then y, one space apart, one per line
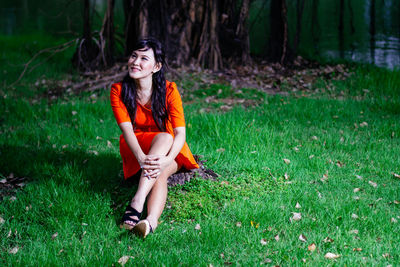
146 128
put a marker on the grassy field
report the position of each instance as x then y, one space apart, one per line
299 177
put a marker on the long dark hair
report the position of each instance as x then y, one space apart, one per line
129 90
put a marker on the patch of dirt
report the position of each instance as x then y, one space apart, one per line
185 176
10 184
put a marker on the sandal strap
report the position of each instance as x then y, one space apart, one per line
129 212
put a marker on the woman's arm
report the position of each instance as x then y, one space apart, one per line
132 142
159 162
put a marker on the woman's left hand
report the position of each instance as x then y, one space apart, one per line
156 164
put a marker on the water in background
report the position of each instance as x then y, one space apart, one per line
358 30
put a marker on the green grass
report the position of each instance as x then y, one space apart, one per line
73 176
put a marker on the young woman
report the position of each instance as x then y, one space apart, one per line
148 109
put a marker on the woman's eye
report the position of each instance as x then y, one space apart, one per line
133 56
144 58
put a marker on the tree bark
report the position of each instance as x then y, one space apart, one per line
300 9
107 34
242 31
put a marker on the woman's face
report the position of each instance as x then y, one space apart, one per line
142 64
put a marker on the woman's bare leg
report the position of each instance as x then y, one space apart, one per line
161 145
158 195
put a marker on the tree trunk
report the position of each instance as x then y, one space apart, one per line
315 30
242 31
278 30
300 9
209 53
107 34
87 56
341 28
372 30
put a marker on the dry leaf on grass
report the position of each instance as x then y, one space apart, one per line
2 220
373 183
395 175
357 249
328 240
359 177
124 259
355 190
276 238
312 247
302 238
355 231
263 241
354 216
14 250
393 220
296 216
330 255
74 113
298 206
3 181
54 235
197 227
109 144
221 150
239 224
287 161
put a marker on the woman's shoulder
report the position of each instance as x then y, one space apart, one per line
171 87
116 86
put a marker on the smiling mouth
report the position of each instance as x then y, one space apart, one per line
134 69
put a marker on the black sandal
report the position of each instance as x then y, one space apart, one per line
130 212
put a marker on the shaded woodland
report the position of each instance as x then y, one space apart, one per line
211 34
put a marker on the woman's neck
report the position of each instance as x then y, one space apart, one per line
144 85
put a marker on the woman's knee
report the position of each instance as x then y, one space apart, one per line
164 138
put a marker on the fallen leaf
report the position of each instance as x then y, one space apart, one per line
354 216
355 231
359 177
311 156
356 197
276 238
2 220
239 224
363 124
324 177
84 224
302 238
221 150
13 198
373 183
296 216
197 227
393 220
263 241
286 176
109 144
314 138
287 161
395 175
54 235
124 259
319 194
298 206
3 181
355 190
328 240
296 148
74 113
386 255
312 247
331 256
267 260
14 250
99 138
357 249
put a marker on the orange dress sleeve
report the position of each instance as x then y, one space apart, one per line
120 112
175 108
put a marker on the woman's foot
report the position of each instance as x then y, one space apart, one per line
142 228
130 218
